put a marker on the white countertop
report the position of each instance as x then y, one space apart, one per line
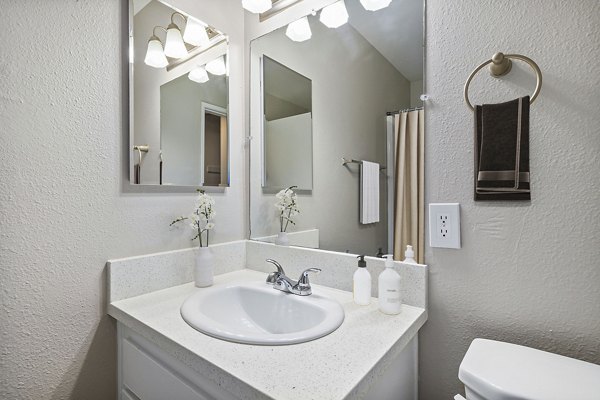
338 366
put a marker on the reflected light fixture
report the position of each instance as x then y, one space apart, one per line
257 6
155 55
374 5
299 30
198 74
217 66
195 33
174 46
334 15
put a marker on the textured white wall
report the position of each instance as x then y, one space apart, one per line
528 272
63 210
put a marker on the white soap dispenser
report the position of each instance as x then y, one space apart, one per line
409 255
390 298
362 283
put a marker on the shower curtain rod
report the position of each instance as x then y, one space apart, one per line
405 110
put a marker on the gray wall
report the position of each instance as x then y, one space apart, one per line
350 86
528 273
63 207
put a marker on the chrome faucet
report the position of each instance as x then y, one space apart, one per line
281 282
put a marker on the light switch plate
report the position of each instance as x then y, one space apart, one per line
444 225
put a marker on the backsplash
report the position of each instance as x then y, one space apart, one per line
337 268
134 276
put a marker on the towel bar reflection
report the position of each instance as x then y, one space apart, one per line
142 148
353 161
501 65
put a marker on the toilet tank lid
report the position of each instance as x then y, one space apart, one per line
502 371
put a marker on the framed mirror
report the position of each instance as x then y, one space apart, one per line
179 133
367 135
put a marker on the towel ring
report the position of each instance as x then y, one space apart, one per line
501 65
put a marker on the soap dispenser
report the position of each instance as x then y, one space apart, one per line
362 283
409 255
390 298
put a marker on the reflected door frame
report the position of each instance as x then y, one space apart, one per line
211 109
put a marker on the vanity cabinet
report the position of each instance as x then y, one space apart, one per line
160 356
148 373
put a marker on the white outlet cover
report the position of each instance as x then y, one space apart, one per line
444 225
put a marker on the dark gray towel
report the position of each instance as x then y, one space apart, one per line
502 151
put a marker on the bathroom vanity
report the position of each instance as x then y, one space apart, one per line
370 355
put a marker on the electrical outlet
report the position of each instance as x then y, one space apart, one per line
444 225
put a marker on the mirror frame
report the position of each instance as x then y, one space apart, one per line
128 142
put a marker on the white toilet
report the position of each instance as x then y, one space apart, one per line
494 370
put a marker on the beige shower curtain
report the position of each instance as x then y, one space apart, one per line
409 175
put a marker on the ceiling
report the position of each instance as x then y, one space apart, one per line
395 31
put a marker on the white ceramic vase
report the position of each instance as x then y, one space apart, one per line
205 267
282 239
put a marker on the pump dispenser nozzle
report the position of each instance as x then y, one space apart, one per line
361 262
389 260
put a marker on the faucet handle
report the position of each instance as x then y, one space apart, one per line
303 285
273 276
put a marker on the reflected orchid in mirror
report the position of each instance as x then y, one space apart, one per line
287 205
201 218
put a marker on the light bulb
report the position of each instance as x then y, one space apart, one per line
195 33
174 47
155 56
257 6
374 5
299 30
216 66
334 15
198 74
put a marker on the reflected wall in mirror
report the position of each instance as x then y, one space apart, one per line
287 127
367 79
178 98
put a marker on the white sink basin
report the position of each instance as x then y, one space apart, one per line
255 313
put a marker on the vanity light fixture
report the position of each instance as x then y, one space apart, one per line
155 55
299 30
257 6
198 74
195 33
334 15
374 5
174 46
217 66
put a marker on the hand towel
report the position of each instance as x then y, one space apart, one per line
502 151
369 192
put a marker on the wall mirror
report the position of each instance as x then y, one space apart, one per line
287 127
364 60
178 98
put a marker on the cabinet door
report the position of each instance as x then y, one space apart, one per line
148 379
